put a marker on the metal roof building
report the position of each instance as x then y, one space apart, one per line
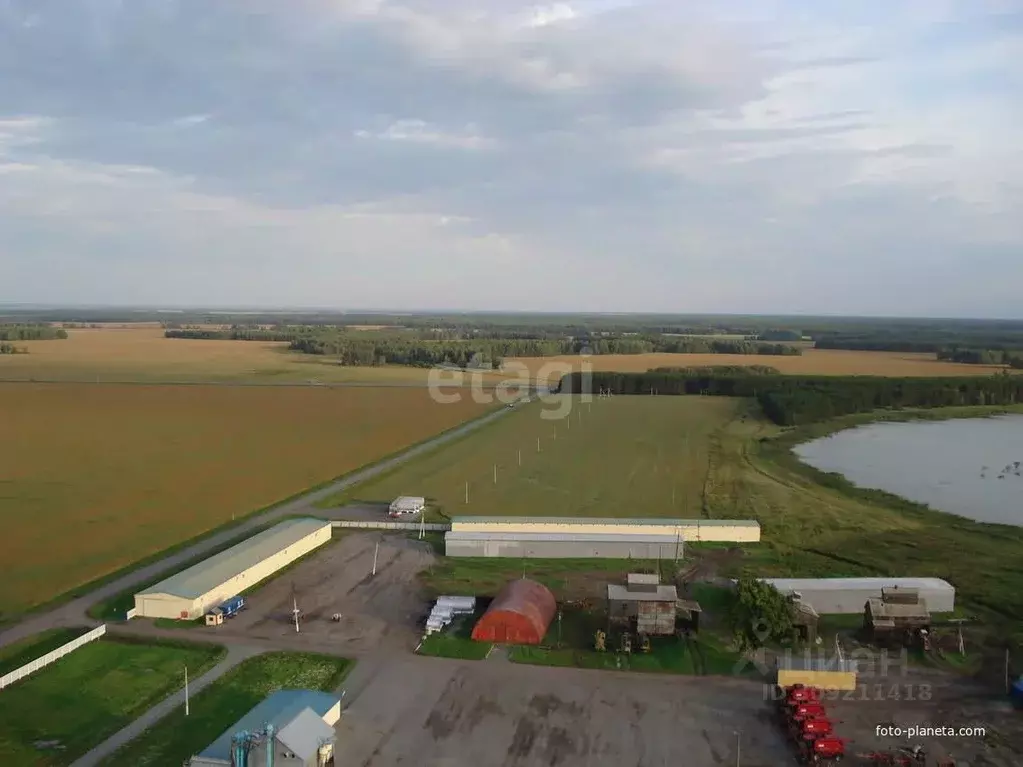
301 720
729 530
562 545
835 596
190 593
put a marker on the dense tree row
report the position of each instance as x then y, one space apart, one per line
8 348
31 333
1013 358
793 400
234 334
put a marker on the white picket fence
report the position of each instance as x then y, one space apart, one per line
131 613
430 526
50 657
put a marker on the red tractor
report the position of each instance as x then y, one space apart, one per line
826 750
798 693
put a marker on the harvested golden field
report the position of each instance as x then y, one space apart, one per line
141 353
812 362
95 477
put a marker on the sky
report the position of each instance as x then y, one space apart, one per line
754 156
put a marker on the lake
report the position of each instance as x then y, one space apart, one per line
965 466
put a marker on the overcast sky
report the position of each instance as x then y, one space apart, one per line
747 156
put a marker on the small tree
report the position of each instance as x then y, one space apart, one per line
761 614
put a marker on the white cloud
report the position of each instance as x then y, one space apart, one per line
191 120
546 15
421 132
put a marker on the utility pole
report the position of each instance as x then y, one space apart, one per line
186 690
738 747
376 551
538 444
422 524
467 492
520 457
495 473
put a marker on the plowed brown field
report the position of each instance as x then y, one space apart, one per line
94 477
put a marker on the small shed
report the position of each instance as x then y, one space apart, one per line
820 672
898 613
521 613
643 598
406 505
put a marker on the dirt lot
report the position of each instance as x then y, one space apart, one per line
437 713
378 612
405 709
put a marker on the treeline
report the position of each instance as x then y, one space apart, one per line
9 348
1012 358
31 333
361 348
794 400
233 334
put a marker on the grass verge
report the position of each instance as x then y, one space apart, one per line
449 646
53 717
176 738
16 655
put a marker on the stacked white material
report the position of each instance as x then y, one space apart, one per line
445 609
457 605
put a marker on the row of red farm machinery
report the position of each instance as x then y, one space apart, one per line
808 726
811 730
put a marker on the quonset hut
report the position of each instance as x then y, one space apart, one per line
520 614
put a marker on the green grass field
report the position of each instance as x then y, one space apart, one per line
620 457
14 656
176 738
722 460
90 694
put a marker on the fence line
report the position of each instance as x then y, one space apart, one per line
129 614
431 526
50 657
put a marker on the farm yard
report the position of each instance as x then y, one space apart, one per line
96 477
628 456
58 713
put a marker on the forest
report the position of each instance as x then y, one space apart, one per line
19 332
792 400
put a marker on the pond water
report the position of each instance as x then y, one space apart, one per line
971 466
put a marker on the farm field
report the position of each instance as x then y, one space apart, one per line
95 477
175 738
90 694
629 452
812 362
141 353
629 457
